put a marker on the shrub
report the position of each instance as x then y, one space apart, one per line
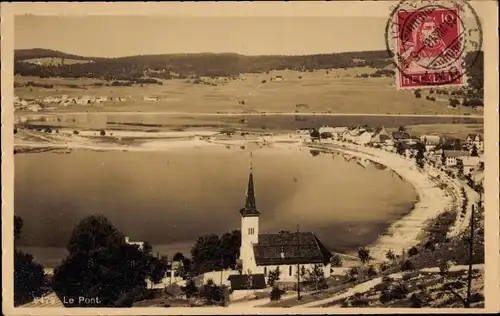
416 301
190 289
276 293
76 132
371 271
406 276
407 265
399 291
413 251
103 132
381 287
384 266
387 278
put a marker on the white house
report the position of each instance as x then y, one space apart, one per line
380 136
451 156
475 139
470 164
263 253
351 135
364 138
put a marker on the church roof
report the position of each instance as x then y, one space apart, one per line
250 208
290 248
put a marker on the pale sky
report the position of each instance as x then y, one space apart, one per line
116 36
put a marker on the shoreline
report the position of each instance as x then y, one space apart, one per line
59 113
400 234
404 233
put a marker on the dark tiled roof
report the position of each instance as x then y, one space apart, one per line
401 135
242 282
284 248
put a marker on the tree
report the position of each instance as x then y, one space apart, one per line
315 134
336 260
18 226
390 255
419 158
29 277
400 148
402 129
474 152
103 132
364 255
413 251
443 158
212 252
460 167
316 278
178 257
190 289
274 276
101 264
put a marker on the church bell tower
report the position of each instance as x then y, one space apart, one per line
249 226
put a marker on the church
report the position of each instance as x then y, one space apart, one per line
262 253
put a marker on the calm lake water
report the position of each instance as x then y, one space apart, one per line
171 198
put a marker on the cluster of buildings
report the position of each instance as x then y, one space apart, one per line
440 151
64 100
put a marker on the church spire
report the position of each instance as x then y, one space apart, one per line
250 208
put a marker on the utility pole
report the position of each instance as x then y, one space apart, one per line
471 252
298 264
221 269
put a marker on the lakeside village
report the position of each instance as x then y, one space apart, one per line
253 268
55 102
457 157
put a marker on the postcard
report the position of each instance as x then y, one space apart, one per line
250 158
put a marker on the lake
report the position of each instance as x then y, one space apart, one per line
170 198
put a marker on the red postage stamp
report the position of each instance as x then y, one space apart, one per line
428 45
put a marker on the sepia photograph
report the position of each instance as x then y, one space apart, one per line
251 161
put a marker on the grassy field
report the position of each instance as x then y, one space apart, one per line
337 91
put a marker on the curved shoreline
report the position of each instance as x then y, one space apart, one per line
400 235
432 201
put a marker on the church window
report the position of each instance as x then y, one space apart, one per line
251 231
290 271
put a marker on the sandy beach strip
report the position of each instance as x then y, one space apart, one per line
404 233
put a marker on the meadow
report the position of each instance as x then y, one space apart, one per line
321 91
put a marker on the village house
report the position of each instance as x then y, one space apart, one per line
380 136
364 138
399 136
263 253
475 140
451 156
450 143
430 141
351 135
470 164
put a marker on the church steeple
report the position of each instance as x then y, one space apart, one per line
250 208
